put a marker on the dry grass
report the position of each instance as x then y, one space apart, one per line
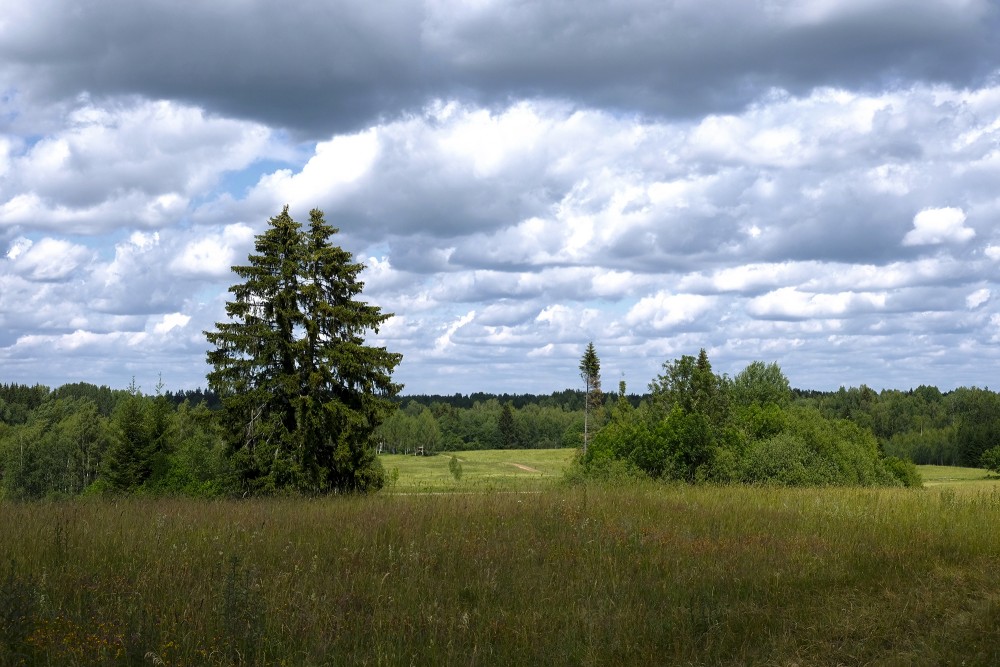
568 576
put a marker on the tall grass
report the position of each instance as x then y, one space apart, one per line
578 576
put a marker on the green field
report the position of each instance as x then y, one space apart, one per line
536 469
482 470
953 476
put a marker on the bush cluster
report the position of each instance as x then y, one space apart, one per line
698 426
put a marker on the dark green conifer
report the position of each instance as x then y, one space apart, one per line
128 462
301 391
507 428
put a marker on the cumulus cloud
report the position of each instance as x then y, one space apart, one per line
939 225
48 259
977 298
134 163
212 255
444 341
811 182
792 303
171 321
664 311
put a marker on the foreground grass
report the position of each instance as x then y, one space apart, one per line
580 576
482 470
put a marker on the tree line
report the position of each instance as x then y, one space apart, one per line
84 439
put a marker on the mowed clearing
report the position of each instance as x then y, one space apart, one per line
964 478
537 469
486 469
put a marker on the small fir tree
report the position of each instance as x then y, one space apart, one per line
507 428
128 462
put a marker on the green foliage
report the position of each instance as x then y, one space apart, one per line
905 471
978 423
18 400
130 456
302 394
701 427
990 459
761 384
690 384
103 397
455 467
607 472
409 431
786 459
55 453
926 446
196 464
507 428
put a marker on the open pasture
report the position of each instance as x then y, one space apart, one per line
588 575
967 478
482 470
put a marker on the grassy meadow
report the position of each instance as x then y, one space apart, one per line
581 575
482 470
959 478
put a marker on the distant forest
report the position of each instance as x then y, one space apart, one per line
80 438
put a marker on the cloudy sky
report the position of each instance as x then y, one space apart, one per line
811 182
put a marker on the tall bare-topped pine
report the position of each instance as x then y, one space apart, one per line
590 373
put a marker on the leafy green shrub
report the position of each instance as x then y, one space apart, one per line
990 459
787 460
904 470
455 467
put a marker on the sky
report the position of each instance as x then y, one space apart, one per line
813 182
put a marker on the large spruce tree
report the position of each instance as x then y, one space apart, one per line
301 391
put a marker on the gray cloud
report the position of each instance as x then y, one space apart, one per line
318 67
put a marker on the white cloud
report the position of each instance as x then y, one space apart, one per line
664 311
977 298
171 321
335 165
131 162
213 255
444 342
18 247
81 341
791 303
48 259
938 225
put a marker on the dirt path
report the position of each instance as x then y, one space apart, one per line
523 467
